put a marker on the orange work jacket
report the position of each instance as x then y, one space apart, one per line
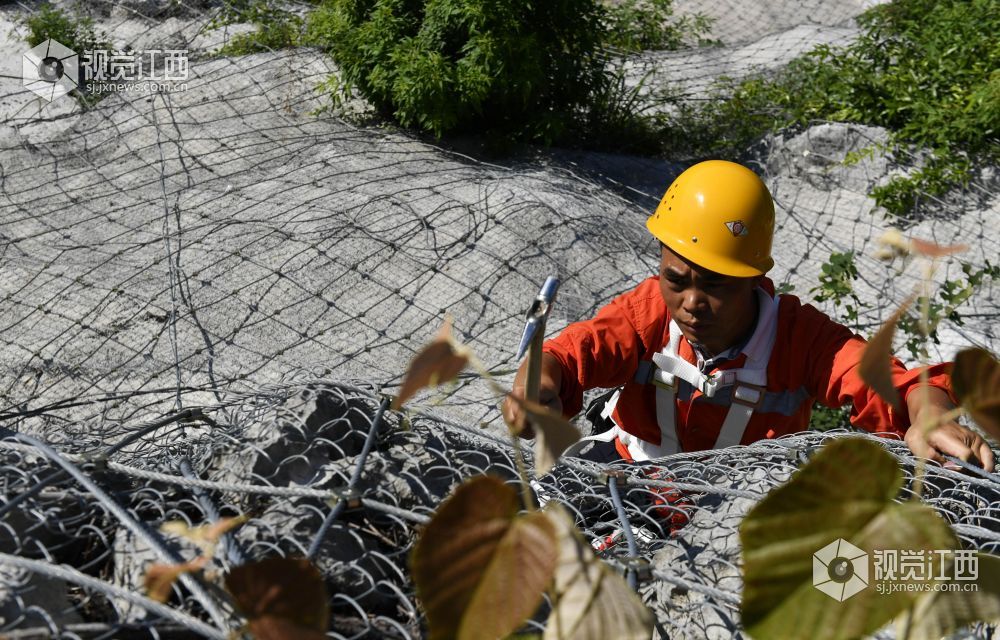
813 358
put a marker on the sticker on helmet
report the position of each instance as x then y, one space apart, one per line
737 228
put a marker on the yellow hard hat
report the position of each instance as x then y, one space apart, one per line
720 216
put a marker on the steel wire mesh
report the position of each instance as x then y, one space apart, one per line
192 283
415 461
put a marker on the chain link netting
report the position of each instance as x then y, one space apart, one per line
205 293
293 469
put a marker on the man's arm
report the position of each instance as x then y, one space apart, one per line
548 391
834 356
601 352
925 404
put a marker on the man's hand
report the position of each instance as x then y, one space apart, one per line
926 405
548 392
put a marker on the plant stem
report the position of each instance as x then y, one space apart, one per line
925 314
522 471
907 623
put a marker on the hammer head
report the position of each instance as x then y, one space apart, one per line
538 313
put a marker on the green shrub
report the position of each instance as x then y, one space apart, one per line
516 66
277 28
927 70
511 70
836 284
824 418
74 31
950 297
644 25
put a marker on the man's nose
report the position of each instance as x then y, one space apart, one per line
695 301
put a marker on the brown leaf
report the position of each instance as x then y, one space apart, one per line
590 602
436 363
291 589
160 578
479 567
205 536
275 628
875 367
553 433
933 250
976 381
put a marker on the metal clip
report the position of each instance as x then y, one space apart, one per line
619 477
350 497
641 566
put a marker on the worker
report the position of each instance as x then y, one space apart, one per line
705 355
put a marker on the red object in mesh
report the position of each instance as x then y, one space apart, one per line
673 506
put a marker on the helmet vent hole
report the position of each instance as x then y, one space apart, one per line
694 238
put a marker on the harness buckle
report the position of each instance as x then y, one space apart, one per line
671 386
712 384
753 397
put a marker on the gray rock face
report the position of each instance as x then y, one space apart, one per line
692 74
295 444
124 9
736 21
353 560
821 156
706 551
131 559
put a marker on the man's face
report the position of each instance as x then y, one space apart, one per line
711 309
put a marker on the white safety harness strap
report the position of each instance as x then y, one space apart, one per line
751 380
749 385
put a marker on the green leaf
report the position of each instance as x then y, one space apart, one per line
283 598
976 382
940 613
590 602
479 567
845 492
